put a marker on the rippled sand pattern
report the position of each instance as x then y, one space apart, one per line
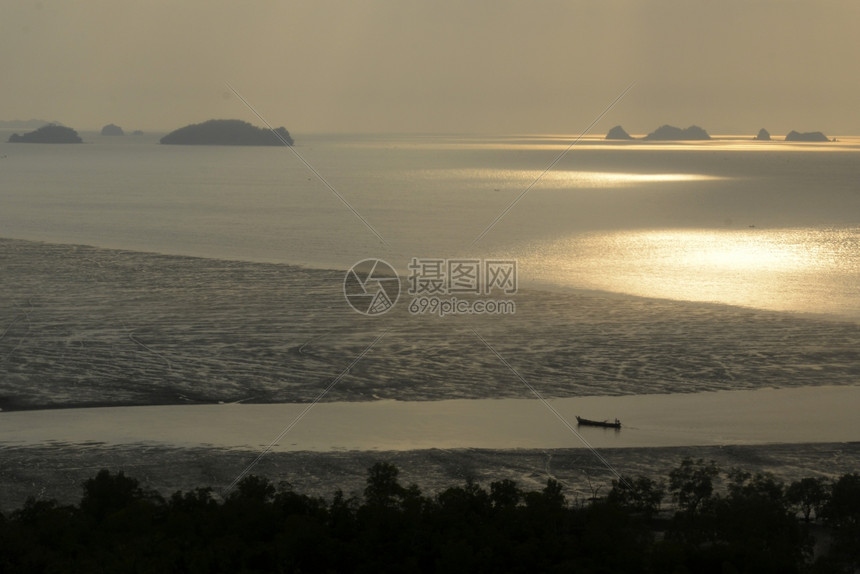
85 326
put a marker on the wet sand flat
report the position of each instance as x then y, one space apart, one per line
82 326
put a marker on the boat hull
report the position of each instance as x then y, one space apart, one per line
604 424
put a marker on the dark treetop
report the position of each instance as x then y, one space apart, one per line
718 522
227 132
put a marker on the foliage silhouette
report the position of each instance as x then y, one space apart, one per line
808 495
750 525
692 483
639 495
842 514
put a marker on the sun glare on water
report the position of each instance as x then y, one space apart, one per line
806 270
614 179
561 179
711 251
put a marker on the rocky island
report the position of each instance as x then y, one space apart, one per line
618 133
48 134
112 130
672 133
763 135
227 132
794 136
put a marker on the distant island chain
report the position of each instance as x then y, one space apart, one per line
242 133
695 133
212 132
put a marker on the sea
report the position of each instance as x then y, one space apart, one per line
771 226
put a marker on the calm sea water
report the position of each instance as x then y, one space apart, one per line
766 225
767 416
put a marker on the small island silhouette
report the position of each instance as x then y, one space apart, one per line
227 132
794 136
112 130
672 133
48 134
663 133
763 135
618 133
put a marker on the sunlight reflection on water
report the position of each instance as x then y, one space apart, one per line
571 178
805 270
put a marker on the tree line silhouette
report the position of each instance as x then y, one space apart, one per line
755 523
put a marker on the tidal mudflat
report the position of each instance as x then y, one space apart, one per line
85 327
81 326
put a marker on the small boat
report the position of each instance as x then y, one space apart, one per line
604 424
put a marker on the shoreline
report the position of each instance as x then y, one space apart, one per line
536 285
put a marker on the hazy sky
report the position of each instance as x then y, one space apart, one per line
489 66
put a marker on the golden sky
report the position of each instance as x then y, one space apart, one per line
482 66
